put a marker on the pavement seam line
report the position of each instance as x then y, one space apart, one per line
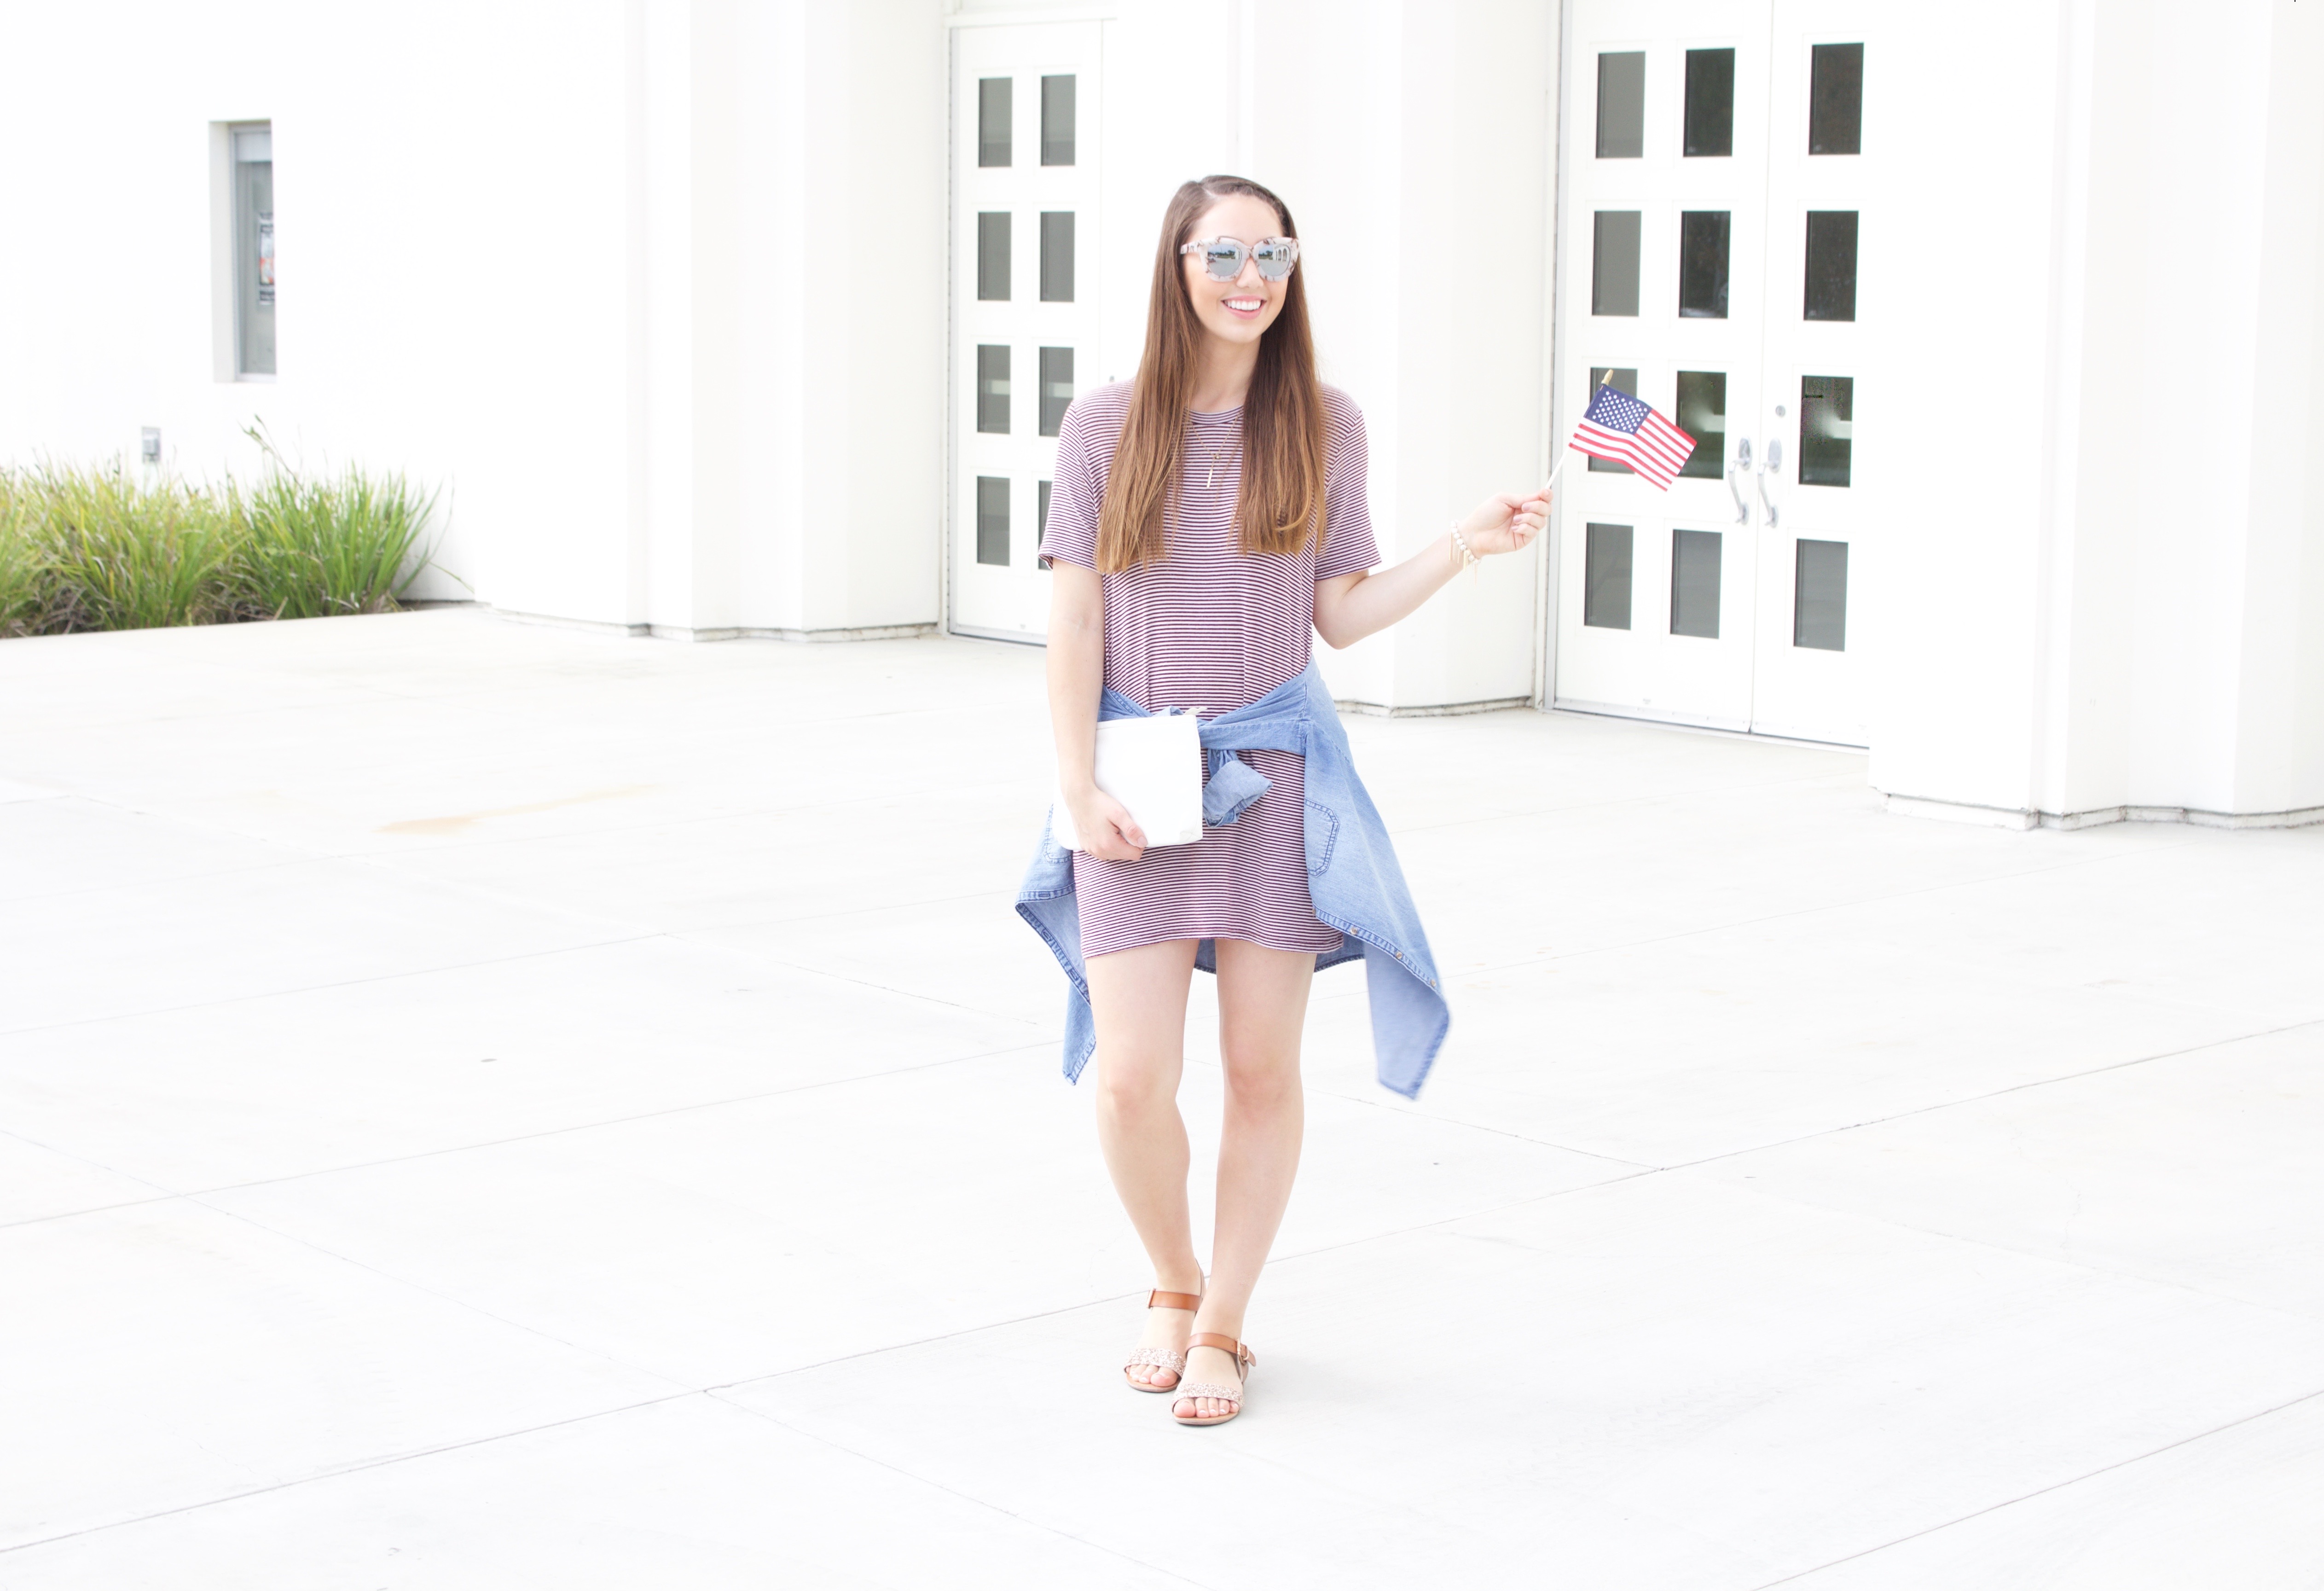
468 1306
1922 1110
354 982
966 1497
161 1191
199 1194
483 842
1740 922
2044 1491
1273 1259
729 953
1659 1170
1610 803
684 937
2069 1261
381 1462
1371 1104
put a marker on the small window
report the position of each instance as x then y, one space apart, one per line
1836 99
992 112
1830 265
1702 415
1702 240
992 256
1622 380
254 250
992 520
1056 388
1621 105
1709 102
1820 595
1057 121
1827 428
1041 518
1614 263
1694 584
1606 579
1056 256
992 388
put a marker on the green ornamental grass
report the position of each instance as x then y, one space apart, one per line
23 587
100 548
313 548
121 556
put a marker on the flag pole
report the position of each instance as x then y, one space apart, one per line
1566 452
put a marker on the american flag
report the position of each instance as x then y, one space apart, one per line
1620 427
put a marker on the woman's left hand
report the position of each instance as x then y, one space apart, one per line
1506 524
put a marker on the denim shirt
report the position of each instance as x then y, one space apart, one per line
1352 877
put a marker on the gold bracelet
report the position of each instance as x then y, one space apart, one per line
1461 545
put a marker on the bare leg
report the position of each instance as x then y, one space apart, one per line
1139 996
1262 1008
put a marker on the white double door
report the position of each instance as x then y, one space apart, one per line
1024 309
1714 199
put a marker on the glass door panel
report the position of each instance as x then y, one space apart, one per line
1717 259
1665 208
1024 319
1817 545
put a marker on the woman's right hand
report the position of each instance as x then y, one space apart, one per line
1107 831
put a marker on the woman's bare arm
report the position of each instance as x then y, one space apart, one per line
1076 666
1349 607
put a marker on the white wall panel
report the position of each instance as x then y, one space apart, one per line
450 220
2279 721
1414 143
2106 600
656 290
554 257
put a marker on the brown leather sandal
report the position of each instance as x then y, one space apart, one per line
1169 1359
1190 1390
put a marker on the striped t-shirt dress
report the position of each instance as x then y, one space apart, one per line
1212 628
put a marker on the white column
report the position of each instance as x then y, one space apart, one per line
662 314
787 316
1414 142
2109 600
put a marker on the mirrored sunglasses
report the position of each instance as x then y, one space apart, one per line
1222 257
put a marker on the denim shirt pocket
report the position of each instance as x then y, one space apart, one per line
1320 816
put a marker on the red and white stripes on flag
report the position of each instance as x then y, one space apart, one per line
1617 426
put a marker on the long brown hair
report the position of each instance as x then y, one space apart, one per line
1281 503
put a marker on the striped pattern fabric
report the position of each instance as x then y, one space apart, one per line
1620 427
1212 628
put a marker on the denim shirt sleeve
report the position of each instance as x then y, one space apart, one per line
1354 877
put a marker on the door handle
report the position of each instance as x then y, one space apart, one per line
1773 465
1742 461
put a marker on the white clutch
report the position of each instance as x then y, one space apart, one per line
1154 767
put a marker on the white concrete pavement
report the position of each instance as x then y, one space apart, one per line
485 1106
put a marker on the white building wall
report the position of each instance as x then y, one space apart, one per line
784 309
1954 303
792 313
2107 360
878 126
450 255
1429 283
656 291
2279 741
535 254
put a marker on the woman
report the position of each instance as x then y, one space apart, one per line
1207 518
